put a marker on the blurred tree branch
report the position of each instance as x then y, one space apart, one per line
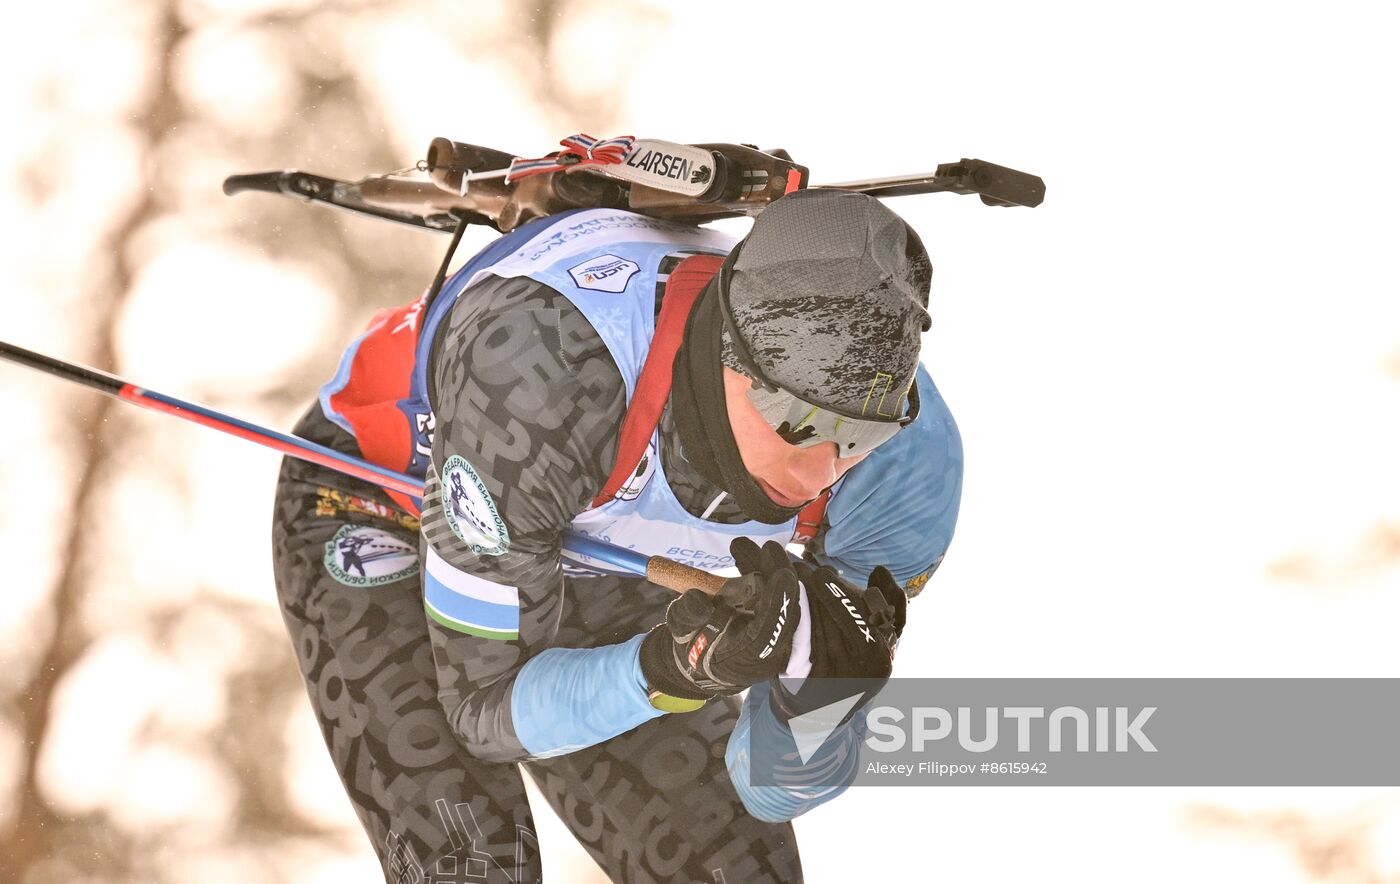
1336 849
334 123
35 831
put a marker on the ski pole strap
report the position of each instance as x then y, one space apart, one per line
654 384
579 151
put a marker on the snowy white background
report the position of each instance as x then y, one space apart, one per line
1178 380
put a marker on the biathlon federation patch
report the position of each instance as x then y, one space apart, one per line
361 556
470 511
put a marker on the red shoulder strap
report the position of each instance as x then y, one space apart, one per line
654 384
810 519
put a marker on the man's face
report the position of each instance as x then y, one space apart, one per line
789 475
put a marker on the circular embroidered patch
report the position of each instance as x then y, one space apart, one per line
361 556
470 511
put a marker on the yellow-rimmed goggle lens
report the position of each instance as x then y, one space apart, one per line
803 424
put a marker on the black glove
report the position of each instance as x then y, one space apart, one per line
713 646
854 636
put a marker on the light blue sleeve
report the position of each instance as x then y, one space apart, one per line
826 774
899 506
567 698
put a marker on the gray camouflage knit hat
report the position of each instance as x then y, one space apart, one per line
829 292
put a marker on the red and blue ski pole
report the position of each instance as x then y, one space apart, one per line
659 570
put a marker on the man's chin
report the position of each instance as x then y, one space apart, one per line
780 498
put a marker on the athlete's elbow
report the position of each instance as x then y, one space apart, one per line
494 752
480 732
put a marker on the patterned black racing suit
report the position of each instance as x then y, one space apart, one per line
416 715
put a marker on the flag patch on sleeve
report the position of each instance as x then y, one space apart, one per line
467 603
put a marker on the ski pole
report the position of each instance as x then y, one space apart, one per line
658 569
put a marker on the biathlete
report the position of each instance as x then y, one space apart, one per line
664 388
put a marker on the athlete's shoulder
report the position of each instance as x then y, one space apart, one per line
899 507
515 329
